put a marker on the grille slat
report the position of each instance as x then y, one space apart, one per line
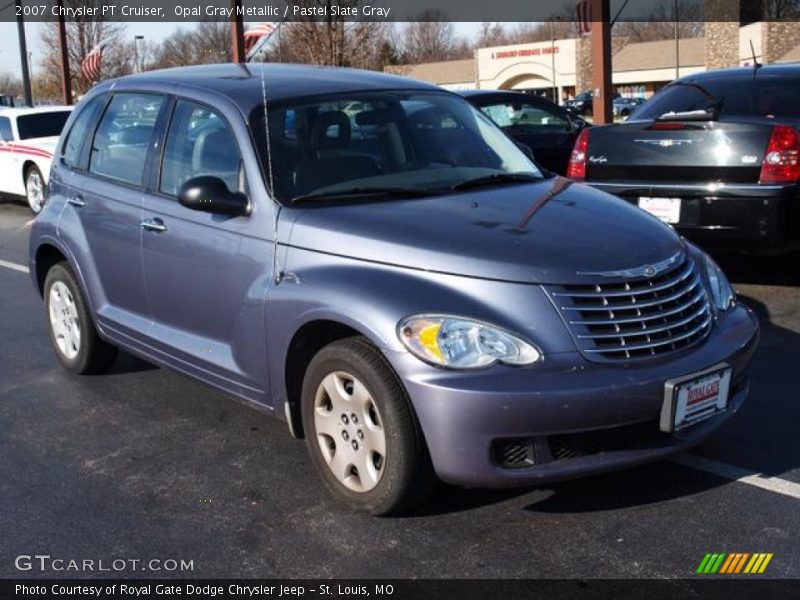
640 317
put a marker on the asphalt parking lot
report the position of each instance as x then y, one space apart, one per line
143 463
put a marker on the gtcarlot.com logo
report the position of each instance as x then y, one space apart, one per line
735 563
45 562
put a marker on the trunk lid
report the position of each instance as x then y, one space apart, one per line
679 151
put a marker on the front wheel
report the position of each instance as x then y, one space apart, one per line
361 432
35 189
75 340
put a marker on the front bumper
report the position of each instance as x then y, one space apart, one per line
564 408
717 215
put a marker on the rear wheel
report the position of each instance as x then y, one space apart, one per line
35 189
75 340
361 433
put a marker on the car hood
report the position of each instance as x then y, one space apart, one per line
543 232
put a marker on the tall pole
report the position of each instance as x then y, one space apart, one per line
601 62
677 45
66 78
553 61
23 55
237 32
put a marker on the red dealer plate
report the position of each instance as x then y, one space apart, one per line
689 400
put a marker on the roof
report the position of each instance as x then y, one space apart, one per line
443 73
17 111
763 71
242 83
643 56
791 56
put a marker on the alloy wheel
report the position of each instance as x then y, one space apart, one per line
34 190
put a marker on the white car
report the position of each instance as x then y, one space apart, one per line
28 137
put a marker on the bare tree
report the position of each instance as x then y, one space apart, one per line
208 42
83 35
430 38
10 84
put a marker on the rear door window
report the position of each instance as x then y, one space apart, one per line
523 115
42 124
78 134
199 142
123 137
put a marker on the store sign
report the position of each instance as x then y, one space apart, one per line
546 51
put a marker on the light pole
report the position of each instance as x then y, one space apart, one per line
553 59
137 68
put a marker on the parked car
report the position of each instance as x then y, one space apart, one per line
716 154
418 300
546 128
27 139
623 107
583 103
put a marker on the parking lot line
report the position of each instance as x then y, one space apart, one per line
13 266
772 484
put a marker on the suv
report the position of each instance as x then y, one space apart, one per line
396 280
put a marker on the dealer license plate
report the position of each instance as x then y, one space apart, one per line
666 209
689 400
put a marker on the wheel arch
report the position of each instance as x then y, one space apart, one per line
309 339
47 255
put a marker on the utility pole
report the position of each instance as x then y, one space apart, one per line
137 67
23 54
677 45
66 77
553 61
601 62
237 32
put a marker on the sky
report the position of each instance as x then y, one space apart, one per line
153 32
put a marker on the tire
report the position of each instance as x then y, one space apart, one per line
35 189
73 335
389 477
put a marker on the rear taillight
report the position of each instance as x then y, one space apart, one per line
576 169
782 159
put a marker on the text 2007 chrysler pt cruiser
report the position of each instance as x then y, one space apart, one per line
390 274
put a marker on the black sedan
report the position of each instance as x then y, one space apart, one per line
715 154
549 130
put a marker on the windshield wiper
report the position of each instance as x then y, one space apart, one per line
358 192
496 178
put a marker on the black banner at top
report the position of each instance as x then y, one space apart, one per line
395 10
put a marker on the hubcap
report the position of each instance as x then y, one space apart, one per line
64 320
35 191
350 431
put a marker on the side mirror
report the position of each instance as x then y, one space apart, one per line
578 124
210 194
526 150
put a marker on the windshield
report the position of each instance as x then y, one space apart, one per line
392 140
759 96
44 124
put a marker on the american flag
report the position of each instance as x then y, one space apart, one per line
254 34
90 66
584 11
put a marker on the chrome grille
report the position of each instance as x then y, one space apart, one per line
638 317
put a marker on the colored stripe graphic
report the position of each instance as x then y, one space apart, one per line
734 563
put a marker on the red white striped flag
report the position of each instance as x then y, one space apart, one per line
254 34
584 11
90 66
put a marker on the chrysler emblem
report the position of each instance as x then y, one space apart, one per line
648 271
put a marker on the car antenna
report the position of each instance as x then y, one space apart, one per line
270 178
756 64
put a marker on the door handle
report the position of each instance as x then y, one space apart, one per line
77 201
156 225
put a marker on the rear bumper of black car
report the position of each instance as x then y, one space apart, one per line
742 216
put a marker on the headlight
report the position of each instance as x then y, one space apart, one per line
459 343
721 290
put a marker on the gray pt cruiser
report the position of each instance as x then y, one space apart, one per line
372 260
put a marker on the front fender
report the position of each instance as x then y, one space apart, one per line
372 298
